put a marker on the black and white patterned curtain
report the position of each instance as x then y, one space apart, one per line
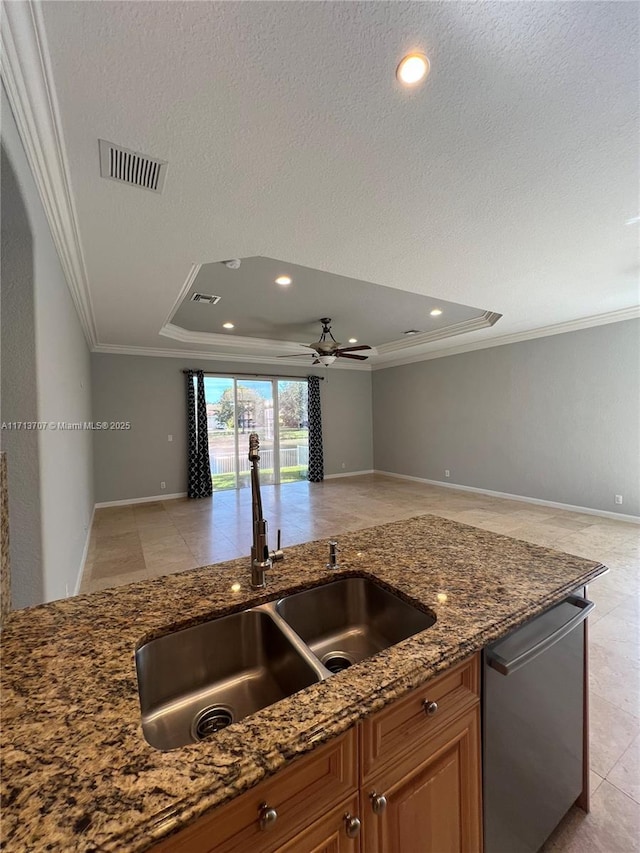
199 483
316 456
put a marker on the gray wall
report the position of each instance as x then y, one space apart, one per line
45 374
556 418
150 393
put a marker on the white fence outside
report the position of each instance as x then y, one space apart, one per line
290 457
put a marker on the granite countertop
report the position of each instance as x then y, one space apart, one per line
77 771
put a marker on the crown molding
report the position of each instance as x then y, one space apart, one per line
157 352
214 339
541 332
389 360
26 73
186 287
486 319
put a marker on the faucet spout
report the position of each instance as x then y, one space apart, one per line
262 558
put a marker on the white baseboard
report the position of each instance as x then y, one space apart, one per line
618 516
148 500
348 474
85 554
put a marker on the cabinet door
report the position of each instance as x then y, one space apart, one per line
433 800
295 797
329 834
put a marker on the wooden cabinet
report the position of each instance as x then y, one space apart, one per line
410 722
405 780
335 832
421 755
432 796
277 810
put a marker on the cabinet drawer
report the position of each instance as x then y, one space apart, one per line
300 794
405 724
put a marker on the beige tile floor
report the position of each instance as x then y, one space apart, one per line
146 540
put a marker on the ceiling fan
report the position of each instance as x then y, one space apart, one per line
327 349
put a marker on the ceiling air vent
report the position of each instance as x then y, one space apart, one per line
203 297
130 167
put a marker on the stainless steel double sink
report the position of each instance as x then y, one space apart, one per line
198 680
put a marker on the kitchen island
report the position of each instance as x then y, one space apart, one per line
77 771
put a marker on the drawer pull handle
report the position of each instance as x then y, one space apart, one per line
378 802
268 816
429 707
351 825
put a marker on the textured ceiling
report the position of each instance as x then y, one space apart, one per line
504 181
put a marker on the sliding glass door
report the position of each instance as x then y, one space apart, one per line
221 418
255 414
294 430
274 408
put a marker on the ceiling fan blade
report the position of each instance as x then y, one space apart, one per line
354 349
341 354
296 355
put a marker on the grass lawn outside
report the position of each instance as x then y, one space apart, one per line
287 475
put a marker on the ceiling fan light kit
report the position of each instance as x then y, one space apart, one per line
327 349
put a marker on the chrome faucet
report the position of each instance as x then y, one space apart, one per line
262 558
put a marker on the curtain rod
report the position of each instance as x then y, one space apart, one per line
254 375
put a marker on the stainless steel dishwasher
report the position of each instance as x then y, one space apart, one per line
533 694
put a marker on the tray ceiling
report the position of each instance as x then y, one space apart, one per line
272 315
504 181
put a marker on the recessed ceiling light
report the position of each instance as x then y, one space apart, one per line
412 69
436 312
353 340
412 332
228 326
283 280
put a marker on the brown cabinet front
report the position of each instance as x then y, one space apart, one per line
432 797
336 832
266 817
413 720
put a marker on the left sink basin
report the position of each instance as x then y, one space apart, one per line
196 681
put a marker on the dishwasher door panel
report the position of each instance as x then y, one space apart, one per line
533 736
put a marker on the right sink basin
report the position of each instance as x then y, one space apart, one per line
350 619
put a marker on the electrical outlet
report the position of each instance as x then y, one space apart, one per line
163 485
618 499
447 472
169 438
344 464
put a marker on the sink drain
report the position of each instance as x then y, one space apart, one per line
211 720
337 661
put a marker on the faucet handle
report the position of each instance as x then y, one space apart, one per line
278 554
